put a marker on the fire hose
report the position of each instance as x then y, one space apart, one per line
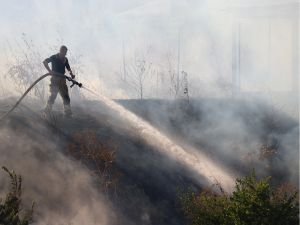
74 82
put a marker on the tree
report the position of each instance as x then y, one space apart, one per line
137 74
185 85
25 66
172 75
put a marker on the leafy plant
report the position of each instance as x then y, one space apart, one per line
253 202
10 208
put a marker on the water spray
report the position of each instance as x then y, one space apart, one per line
192 158
189 157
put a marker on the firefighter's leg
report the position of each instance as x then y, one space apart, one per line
63 91
53 93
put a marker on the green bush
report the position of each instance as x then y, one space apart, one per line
10 208
253 202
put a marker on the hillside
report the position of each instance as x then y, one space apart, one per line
67 188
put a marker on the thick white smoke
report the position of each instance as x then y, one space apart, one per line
63 191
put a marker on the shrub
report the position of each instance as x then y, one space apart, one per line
10 208
252 202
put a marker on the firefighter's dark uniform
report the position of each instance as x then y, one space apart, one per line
58 85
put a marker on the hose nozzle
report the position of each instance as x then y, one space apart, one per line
74 82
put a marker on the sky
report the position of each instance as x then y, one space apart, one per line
101 32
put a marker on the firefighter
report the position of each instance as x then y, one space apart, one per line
59 62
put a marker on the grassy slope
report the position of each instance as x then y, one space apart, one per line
147 190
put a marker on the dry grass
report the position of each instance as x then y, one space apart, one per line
98 156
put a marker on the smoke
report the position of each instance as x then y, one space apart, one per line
219 132
232 133
64 191
194 160
211 151
204 30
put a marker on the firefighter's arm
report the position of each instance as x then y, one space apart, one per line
46 62
69 69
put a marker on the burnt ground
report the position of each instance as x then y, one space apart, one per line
230 132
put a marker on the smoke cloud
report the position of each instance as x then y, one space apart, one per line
64 191
240 58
